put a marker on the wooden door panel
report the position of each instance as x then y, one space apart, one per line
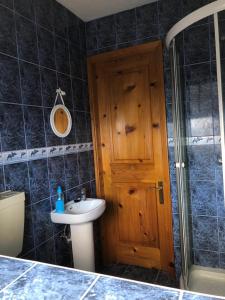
131 115
137 214
138 255
133 173
130 141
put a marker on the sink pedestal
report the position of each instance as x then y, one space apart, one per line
83 246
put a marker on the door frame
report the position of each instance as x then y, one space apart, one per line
167 264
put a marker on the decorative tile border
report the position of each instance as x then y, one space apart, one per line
204 140
12 157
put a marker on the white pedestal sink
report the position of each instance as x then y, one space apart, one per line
80 217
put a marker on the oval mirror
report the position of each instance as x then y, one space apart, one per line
60 120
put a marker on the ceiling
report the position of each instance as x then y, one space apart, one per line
89 10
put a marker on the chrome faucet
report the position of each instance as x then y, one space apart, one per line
83 196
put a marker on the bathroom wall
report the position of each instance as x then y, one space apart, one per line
42 47
152 22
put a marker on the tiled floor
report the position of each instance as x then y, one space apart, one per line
140 274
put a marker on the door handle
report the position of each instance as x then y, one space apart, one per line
159 188
161 194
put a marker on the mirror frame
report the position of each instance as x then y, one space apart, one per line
52 116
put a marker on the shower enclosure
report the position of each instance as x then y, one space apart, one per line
198 118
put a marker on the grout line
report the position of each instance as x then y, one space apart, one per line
90 287
157 276
181 295
21 275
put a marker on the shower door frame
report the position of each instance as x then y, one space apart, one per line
180 164
211 9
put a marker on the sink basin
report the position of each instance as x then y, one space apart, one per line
80 217
80 212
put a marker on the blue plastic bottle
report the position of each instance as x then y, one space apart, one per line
60 201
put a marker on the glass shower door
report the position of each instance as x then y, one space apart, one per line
181 163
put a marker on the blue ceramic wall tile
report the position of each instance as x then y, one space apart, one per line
73 29
126 26
172 164
220 193
28 239
203 195
83 161
177 258
2 184
121 289
205 233
168 86
73 194
147 20
92 35
7 3
30 84
62 55
79 104
169 118
64 82
12 127
11 269
82 34
34 127
80 126
169 14
174 196
25 8
200 118
176 230
222 260
201 157
221 227
9 80
88 128
46 252
48 86
31 255
71 171
46 48
197 82
44 13
206 258
60 20
41 215
106 28
56 173
75 61
93 189
27 39
17 179
38 175
196 49
86 97
7 32
62 246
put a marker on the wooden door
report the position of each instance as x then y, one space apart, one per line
131 162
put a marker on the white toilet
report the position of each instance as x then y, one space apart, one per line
12 210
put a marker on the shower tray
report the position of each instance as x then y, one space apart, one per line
207 280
